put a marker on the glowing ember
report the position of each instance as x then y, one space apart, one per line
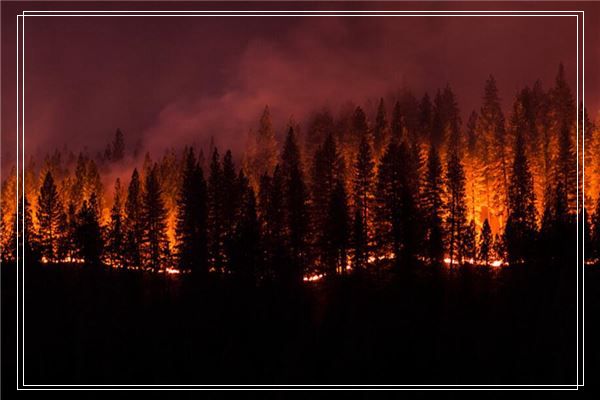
313 278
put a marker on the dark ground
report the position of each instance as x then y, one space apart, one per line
86 326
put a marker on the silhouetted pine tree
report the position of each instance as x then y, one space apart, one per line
432 206
520 231
245 254
88 233
359 242
274 231
230 196
133 227
328 168
21 236
363 193
115 244
565 166
396 208
337 229
215 213
71 225
493 133
191 217
295 205
456 220
470 242
51 219
154 245
485 243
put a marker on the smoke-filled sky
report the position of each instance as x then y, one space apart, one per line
170 81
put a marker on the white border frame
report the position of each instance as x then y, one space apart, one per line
314 13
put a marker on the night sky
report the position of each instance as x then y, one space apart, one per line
178 80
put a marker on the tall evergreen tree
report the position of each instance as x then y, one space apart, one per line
275 244
192 217
485 243
230 196
245 254
155 245
133 227
88 233
396 206
115 246
456 219
492 130
51 219
520 228
215 213
363 190
295 205
328 168
337 229
433 207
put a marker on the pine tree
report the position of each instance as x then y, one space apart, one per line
133 227
215 213
115 246
363 190
470 242
328 168
565 168
520 228
51 219
396 206
230 196
28 238
492 130
359 242
245 254
88 233
274 231
433 207
154 245
337 229
295 205
456 209
192 218
485 243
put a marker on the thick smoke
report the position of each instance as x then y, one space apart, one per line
177 81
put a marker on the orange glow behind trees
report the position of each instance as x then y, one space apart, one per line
352 190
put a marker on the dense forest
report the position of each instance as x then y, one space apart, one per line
409 184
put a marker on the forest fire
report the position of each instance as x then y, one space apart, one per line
355 190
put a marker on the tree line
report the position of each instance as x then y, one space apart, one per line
417 189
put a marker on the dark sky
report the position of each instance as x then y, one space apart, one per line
177 80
